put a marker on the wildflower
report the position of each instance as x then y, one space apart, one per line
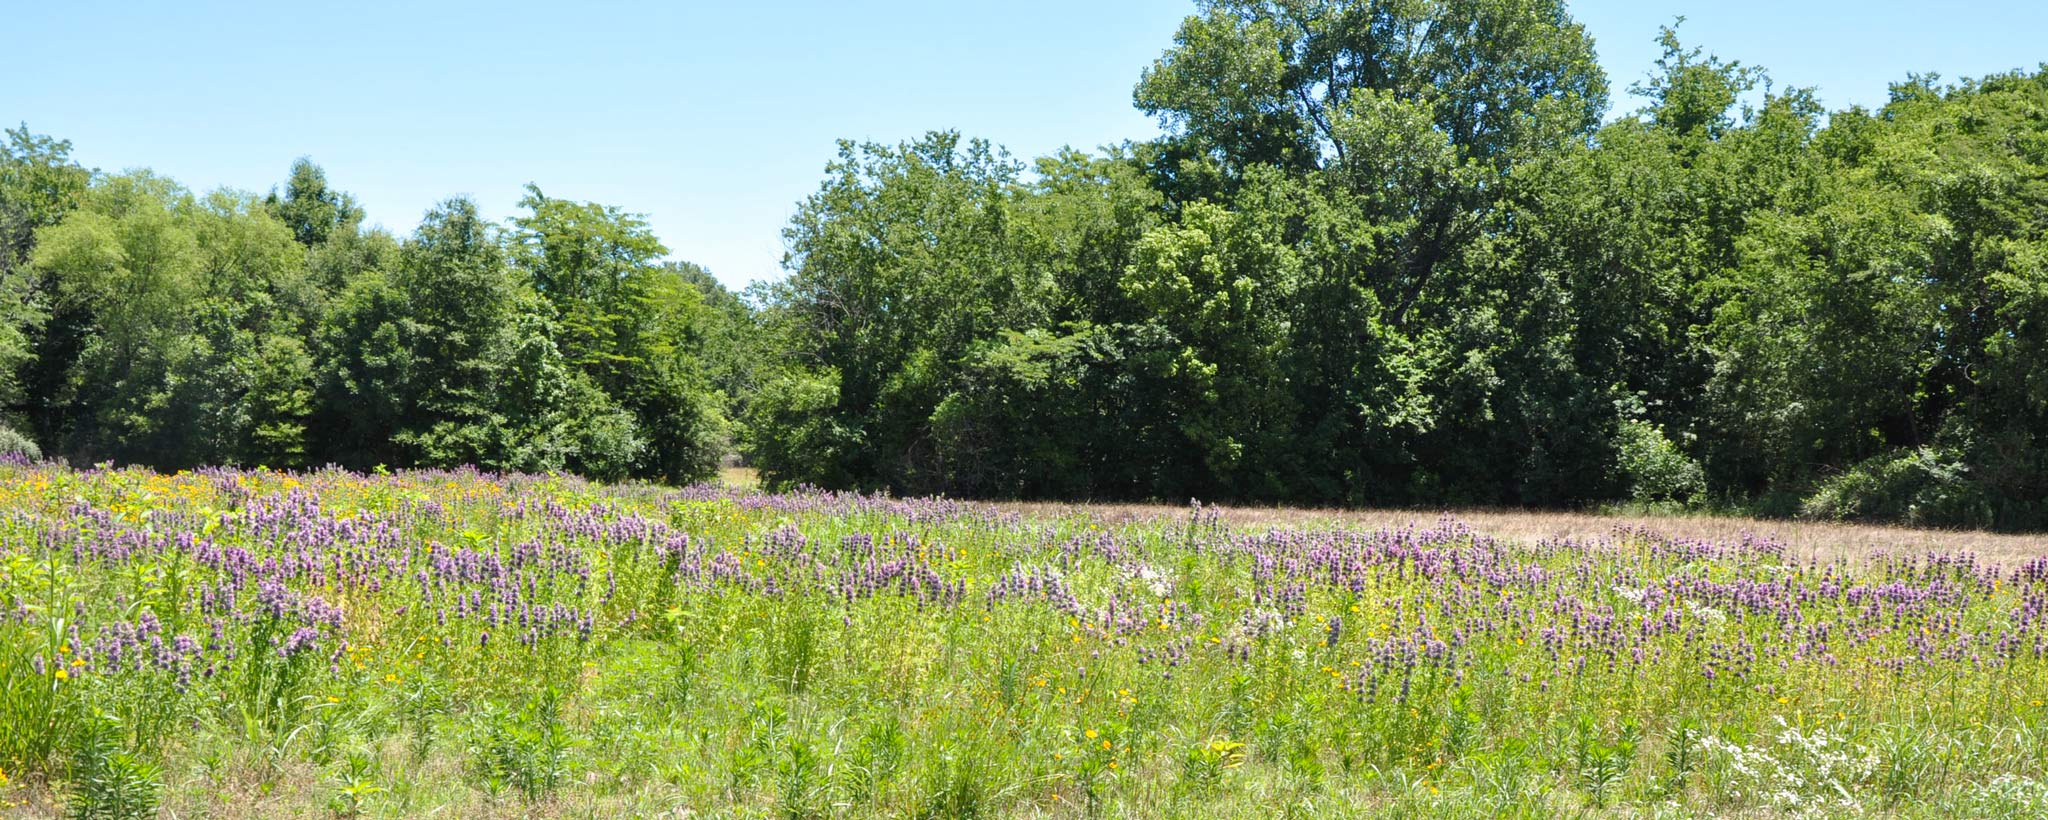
1090 733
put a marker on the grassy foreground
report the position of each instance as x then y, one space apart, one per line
252 644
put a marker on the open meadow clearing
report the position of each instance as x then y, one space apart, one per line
456 644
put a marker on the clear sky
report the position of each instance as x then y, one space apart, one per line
715 118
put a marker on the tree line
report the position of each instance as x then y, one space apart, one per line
1383 254
148 324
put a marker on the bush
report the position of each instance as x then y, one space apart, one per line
1653 468
1925 486
795 435
13 443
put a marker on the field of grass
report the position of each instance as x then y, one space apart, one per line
452 644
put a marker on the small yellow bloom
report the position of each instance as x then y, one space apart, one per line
63 675
333 699
1105 744
1090 733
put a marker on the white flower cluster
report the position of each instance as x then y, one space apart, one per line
2007 795
1807 773
1153 580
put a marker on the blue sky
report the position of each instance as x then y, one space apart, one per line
715 118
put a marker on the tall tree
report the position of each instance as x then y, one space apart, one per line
313 211
905 258
39 184
632 326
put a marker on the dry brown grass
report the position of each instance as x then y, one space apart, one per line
739 478
1819 539
1822 540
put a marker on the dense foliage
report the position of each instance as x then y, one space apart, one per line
329 644
1388 253
1384 253
147 324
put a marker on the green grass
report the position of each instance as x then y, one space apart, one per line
697 653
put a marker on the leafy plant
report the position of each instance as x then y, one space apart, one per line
527 749
108 780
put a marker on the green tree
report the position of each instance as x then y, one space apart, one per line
39 184
904 259
186 314
314 212
633 327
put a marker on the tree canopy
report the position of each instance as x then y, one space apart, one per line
1385 252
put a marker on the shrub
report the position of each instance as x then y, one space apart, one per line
1653 468
1924 486
13 443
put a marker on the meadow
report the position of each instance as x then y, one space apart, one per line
242 644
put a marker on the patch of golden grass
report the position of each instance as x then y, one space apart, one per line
1817 539
740 478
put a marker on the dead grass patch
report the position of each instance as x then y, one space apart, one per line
1822 540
